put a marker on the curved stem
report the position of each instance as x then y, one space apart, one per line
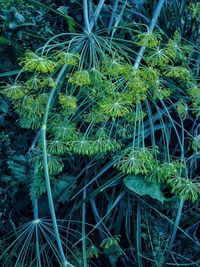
151 28
46 170
175 228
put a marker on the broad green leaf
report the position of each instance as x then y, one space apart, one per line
137 184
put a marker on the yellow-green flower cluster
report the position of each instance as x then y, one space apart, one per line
157 57
42 64
185 187
37 82
164 171
149 74
14 91
195 10
160 93
136 161
57 147
194 93
80 78
31 111
111 241
68 58
178 72
115 67
182 109
147 39
62 129
55 164
67 101
117 106
34 107
91 147
92 252
111 247
137 87
96 117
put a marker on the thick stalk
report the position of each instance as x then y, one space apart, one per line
46 171
113 15
151 28
36 221
86 18
119 18
96 14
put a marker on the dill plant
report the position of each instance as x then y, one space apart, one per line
93 104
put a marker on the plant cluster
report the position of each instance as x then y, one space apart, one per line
110 118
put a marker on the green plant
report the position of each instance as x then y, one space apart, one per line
93 109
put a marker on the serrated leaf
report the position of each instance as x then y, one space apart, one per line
137 184
19 168
37 187
64 188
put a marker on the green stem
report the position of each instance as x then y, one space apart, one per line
119 18
96 14
151 28
175 228
83 230
138 235
113 15
46 170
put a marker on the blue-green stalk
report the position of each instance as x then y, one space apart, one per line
86 17
113 15
150 30
136 66
36 220
96 14
119 18
46 170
